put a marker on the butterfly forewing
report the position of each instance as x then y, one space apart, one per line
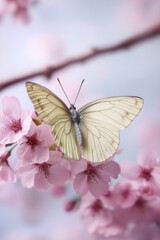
101 122
52 110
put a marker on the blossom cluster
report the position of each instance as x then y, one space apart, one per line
39 163
127 209
17 8
130 210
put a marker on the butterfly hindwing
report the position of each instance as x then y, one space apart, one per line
52 110
101 122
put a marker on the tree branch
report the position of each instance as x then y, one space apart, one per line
50 70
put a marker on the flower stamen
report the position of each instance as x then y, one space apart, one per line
32 140
15 125
44 167
146 174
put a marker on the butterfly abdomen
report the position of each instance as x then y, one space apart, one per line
75 116
78 133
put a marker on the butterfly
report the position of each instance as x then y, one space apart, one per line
92 131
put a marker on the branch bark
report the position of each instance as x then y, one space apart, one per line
50 70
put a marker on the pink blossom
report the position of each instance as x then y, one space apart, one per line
93 177
95 215
125 194
100 219
14 123
109 199
71 205
148 189
144 210
18 8
147 169
44 175
34 146
116 221
6 173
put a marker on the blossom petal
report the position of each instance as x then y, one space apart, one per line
156 175
81 183
78 166
54 157
41 182
124 195
41 154
111 168
130 170
58 175
6 174
98 186
24 153
14 123
27 173
6 133
9 110
148 159
44 133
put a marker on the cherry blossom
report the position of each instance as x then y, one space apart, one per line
147 168
115 221
109 211
95 214
125 194
71 205
133 202
44 175
34 146
18 8
144 210
14 123
93 177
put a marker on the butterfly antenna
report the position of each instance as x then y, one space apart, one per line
78 91
63 90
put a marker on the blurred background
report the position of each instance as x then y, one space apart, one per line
52 32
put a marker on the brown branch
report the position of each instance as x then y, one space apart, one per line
50 70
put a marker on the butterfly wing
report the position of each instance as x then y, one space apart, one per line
101 122
52 110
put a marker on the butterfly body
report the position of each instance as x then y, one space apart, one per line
95 127
75 117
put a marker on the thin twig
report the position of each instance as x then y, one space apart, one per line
50 70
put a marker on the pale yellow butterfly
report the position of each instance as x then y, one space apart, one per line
93 130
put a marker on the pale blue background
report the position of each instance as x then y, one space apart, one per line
59 30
